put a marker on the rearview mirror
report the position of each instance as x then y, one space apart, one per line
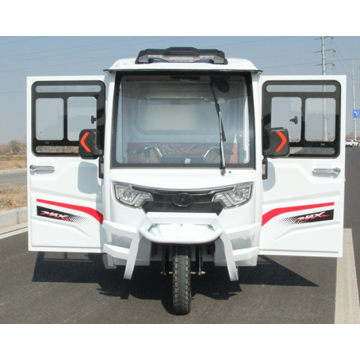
89 144
276 143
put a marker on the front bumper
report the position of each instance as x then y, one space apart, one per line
191 228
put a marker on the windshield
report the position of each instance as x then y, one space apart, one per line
173 121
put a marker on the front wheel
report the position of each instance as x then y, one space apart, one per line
182 280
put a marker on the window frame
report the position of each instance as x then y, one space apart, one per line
35 95
249 86
304 95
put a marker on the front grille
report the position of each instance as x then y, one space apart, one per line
168 200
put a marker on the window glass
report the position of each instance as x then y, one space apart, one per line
60 110
301 88
182 115
320 120
286 112
49 119
309 110
169 121
67 88
57 149
80 110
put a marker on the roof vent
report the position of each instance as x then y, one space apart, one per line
181 55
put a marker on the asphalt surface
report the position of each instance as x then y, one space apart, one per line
16 178
80 288
54 288
352 201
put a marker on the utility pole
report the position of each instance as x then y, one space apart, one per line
324 63
323 51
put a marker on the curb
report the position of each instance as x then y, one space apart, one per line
13 230
10 171
13 217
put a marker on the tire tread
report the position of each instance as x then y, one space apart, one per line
182 280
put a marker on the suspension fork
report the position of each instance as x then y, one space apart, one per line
197 265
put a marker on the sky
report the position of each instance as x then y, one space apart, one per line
49 50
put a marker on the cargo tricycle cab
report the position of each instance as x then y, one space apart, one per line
184 157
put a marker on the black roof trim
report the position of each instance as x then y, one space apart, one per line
182 55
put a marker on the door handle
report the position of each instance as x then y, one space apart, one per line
334 171
41 168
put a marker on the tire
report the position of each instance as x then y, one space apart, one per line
181 280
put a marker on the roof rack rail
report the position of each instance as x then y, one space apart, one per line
182 55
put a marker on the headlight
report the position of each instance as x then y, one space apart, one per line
239 195
128 196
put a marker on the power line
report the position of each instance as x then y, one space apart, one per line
21 40
128 42
338 52
144 40
324 63
122 43
290 65
323 51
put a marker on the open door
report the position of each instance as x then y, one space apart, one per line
303 194
64 191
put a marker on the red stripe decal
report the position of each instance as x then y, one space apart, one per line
94 213
272 213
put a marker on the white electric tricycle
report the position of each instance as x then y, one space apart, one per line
184 156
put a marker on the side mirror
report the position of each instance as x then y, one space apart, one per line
276 143
89 144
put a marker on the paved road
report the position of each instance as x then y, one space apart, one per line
78 288
352 200
16 178
50 288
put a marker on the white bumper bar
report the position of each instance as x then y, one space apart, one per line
181 234
193 229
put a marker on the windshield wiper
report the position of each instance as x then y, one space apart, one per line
221 130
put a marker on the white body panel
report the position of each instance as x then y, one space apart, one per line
288 195
63 185
238 229
299 190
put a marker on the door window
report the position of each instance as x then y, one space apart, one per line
60 110
49 119
320 120
311 113
80 111
286 112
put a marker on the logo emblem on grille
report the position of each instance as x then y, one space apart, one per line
182 200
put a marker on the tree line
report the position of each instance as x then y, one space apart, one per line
13 147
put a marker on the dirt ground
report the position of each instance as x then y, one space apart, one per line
12 197
15 162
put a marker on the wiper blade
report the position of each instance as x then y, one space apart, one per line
221 130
